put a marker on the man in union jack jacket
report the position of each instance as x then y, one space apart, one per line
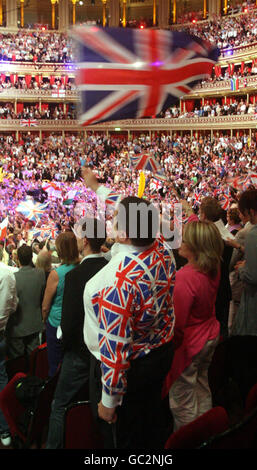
129 323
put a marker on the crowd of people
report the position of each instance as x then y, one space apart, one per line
48 111
45 83
147 316
166 334
36 46
227 31
51 47
212 108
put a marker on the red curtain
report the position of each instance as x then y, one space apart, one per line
28 80
20 107
189 105
13 78
44 106
52 79
242 67
232 69
3 77
64 79
38 79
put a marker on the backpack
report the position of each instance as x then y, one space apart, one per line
27 391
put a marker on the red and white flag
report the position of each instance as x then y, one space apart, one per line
58 93
3 228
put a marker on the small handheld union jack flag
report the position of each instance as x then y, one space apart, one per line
225 200
144 162
112 198
134 73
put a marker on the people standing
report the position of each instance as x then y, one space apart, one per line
128 328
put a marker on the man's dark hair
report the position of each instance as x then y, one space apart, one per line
25 255
248 200
141 219
95 233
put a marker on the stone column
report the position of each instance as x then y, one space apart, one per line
114 13
11 14
163 13
64 20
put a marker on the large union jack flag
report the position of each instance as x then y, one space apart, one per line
32 210
130 73
144 162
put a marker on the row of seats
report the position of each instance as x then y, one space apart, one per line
212 430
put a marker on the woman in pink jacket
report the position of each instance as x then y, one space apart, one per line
196 327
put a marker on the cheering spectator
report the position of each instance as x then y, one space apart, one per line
76 361
67 249
8 305
196 329
246 320
26 323
130 305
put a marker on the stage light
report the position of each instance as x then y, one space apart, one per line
194 21
141 26
117 128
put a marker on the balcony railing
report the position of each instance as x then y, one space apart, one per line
13 93
224 85
244 121
37 67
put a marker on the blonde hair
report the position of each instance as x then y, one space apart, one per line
44 261
204 240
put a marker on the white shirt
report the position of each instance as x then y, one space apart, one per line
8 297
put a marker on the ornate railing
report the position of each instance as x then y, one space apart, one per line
244 121
13 93
37 67
224 85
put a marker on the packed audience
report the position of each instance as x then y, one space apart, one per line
203 288
45 83
36 46
48 111
52 263
211 108
227 32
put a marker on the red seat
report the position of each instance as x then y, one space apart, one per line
251 400
242 435
39 418
10 406
193 434
80 429
39 362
